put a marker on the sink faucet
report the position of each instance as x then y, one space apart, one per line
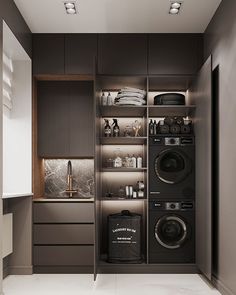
70 189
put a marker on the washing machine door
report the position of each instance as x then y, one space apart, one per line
171 231
172 166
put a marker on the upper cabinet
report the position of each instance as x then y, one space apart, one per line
65 119
80 53
122 54
175 54
48 54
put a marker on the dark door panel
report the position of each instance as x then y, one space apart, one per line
174 54
81 119
53 127
201 94
80 53
48 54
121 54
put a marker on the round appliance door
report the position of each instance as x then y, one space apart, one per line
172 166
171 231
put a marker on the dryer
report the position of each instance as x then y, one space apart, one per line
171 232
172 167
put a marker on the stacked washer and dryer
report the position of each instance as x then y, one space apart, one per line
171 198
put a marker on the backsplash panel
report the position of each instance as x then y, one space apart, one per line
56 178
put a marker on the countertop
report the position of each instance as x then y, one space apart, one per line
91 200
11 196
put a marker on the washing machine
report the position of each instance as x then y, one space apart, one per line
172 167
171 232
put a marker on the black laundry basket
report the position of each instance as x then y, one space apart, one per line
124 237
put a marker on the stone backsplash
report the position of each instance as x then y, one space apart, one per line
56 177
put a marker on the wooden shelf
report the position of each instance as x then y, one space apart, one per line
118 199
170 110
123 111
47 77
123 169
123 140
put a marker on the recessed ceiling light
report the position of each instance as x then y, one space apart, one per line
70 7
174 11
175 7
71 11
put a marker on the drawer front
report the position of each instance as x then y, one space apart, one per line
57 234
63 212
63 255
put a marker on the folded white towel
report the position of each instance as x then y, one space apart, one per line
129 102
131 89
131 94
138 99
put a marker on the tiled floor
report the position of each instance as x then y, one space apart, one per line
112 284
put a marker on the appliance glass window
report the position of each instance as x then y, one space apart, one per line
170 232
172 162
172 166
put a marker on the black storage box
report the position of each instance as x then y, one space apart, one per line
169 99
124 237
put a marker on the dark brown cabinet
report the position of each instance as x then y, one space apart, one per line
48 54
122 54
175 54
65 119
80 53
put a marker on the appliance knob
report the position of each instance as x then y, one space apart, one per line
172 141
172 206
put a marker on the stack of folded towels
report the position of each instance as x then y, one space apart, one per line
130 96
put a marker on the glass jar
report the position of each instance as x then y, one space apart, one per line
128 131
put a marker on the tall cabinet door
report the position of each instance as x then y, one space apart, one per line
200 94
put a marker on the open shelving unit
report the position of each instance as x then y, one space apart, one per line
109 179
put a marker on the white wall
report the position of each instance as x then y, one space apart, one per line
17 134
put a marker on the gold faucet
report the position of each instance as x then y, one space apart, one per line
70 189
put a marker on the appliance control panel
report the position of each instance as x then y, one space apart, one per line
172 141
171 206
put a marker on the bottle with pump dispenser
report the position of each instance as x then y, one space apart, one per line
109 99
107 128
155 127
151 127
116 128
103 99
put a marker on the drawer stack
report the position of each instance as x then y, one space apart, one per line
63 236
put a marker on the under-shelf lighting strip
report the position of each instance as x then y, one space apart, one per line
175 7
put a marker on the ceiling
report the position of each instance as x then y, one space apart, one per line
117 16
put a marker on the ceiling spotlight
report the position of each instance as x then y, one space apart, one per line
175 7
174 11
71 11
70 7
